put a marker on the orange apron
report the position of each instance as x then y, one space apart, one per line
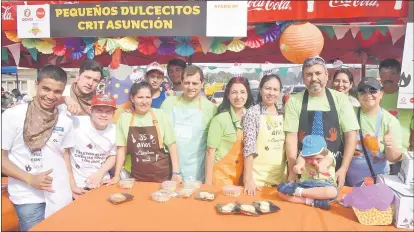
229 170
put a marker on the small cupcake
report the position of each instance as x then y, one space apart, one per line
373 205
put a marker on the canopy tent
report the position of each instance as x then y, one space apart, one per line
8 69
348 37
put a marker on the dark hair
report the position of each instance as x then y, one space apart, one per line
390 63
2 89
54 72
192 70
344 71
225 105
137 86
265 79
177 62
91 65
16 93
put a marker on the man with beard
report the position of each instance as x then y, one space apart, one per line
320 111
78 98
191 115
389 73
38 135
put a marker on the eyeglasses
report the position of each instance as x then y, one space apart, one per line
314 58
366 91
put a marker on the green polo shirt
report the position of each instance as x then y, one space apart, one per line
389 102
122 128
347 118
222 135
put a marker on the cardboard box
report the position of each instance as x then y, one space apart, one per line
406 173
404 201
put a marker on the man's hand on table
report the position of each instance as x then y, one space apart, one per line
177 178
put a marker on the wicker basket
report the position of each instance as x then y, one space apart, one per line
375 217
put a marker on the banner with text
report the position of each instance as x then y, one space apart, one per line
153 18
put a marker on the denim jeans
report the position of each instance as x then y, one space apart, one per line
30 214
315 183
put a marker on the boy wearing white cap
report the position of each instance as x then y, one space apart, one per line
155 76
316 165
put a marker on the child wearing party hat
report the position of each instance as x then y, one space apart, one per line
317 185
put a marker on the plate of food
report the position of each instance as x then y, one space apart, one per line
229 208
119 198
206 196
265 207
248 210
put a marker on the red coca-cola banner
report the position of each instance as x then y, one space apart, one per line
270 11
278 10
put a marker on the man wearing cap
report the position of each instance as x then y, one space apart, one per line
155 76
320 111
381 135
94 151
78 97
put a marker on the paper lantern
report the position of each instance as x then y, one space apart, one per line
301 41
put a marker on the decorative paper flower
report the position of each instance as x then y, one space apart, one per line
89 47
217 47
77 53
29 43
167 46
253 40
73 42
116 59
146 45
99 49
12 36
128 44
236 45
111 45
45 46
184 48
271 34
59 50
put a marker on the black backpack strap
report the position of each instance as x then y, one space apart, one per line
364 149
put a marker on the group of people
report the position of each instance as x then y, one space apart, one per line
57 147
10 99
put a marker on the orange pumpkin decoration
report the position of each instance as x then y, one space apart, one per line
301 41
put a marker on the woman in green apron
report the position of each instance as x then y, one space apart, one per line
264 139
141 137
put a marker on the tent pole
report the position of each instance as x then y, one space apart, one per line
17 79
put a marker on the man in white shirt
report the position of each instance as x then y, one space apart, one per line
35 137
94 150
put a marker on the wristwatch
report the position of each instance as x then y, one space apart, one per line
177 173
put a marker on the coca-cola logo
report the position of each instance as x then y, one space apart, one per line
6 13
354 3
275 5
40 13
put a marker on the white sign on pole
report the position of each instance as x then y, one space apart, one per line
33 21
227 18
406 89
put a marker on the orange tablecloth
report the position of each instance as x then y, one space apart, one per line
93 212
9 220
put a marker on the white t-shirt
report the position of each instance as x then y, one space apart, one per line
91 148
20 154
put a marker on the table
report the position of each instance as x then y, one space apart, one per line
93 212
9 220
